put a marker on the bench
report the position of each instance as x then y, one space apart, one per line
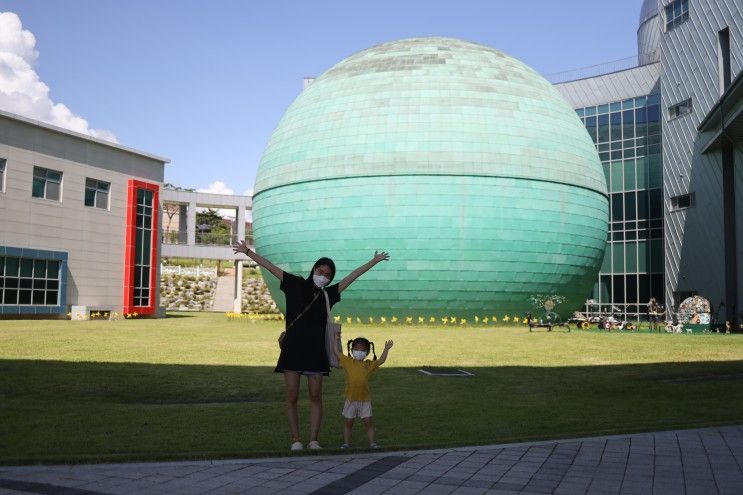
548 320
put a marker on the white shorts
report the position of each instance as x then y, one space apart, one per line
357 408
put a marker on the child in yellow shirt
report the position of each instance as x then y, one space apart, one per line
358 399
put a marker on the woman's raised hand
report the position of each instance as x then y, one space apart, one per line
241 247
380 256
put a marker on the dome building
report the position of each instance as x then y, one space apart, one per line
465 164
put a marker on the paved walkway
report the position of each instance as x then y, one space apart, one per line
224 294
700 461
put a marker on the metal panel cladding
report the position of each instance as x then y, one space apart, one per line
462 162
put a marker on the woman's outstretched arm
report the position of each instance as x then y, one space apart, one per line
241 247
383 256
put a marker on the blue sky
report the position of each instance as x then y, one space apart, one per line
205 83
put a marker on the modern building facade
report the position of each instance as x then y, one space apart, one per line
79 223
665 132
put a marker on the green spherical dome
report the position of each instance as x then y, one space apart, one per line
462 162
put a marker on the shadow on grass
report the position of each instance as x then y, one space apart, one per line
178 315
55 411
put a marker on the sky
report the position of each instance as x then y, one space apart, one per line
204 84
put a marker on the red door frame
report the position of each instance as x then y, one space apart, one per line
130 250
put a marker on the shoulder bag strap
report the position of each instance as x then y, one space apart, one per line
327 303
303 312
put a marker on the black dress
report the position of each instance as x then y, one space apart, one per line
303 347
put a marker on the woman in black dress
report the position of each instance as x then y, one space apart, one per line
303 343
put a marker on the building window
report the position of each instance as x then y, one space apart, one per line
627 135
140 258
680 109
723 59
26 281
96 193
2 174
143 249
677 12
47 184
682 201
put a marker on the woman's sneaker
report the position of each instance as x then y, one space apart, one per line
345 446
297 446
314 445
374 446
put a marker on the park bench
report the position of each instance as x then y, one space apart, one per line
548 320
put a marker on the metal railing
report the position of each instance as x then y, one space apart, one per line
191 270
597 70
203 238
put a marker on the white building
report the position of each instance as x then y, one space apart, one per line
79 222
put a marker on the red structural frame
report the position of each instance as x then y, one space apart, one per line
129 262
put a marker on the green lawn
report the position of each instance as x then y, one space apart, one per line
201 386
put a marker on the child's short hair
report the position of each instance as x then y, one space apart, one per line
362 341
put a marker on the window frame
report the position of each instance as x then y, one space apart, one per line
675 200
3 168
672 19
674 110
47 180
97 192
34 279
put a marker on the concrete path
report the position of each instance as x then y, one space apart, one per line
224 294
701 461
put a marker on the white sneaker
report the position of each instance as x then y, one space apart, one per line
314 445
296 446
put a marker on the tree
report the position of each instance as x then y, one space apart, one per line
212 228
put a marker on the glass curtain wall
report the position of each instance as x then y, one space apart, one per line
628 138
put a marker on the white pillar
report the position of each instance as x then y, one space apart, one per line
182 224
237 306
240 220
191 223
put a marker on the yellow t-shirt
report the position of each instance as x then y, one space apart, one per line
357 377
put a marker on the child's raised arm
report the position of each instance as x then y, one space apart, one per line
387 346
275 270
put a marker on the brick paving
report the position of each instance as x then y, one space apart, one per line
699 461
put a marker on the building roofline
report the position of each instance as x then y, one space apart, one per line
595 76
79 135
734 90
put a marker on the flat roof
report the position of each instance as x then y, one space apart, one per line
80 135
725 119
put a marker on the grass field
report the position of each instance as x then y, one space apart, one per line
200 386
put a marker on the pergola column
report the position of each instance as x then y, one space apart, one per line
191 224
237 306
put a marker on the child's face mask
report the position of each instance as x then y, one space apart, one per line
359 355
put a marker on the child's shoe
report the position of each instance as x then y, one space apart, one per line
297 446
314 445
345 446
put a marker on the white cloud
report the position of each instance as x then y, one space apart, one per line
21 90
217 187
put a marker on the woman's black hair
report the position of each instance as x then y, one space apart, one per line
365 342
323 261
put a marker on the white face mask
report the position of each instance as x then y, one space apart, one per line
320 280
359 355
